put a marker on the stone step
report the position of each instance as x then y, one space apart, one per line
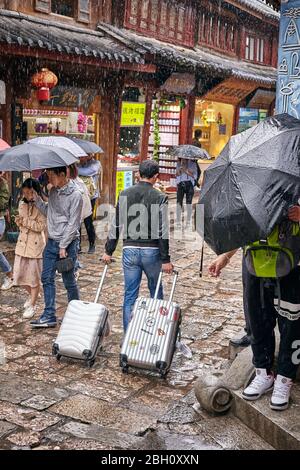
281 429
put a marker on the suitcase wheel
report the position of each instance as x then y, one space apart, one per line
125 369
163 374
58 357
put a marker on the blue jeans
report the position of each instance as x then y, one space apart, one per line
135 261
50 257
4 264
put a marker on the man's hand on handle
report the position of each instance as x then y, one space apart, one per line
168 268
294 213
107 259
63 253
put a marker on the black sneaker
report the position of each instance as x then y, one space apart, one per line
92 250
242 342
44 323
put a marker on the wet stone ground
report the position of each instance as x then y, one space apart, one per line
45 404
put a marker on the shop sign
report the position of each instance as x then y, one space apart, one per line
133 114
250 117
181 83
288 83
72 97
124 181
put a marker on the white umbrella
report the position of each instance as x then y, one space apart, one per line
34 157
62 142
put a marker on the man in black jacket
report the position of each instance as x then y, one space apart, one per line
142 215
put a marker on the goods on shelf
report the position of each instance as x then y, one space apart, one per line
51 121
169 124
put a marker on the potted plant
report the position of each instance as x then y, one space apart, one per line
12 230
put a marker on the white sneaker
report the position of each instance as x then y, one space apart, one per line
261 384
7 284
29 312
281 393
184 349
28 302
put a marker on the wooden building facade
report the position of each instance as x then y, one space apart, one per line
199 61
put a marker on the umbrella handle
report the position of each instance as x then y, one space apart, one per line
201 259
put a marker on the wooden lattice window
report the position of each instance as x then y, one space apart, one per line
255 49
171 21
217 31
69 8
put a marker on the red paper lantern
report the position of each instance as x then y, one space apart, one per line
44 81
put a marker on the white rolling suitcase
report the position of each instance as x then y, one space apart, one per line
83 328
150 339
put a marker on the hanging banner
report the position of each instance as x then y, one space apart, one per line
288 84
124 181
133 114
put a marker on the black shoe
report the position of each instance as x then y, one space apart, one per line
44 323
242 342
92 250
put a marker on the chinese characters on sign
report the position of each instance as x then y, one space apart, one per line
288 86
133 114
72 97
124 181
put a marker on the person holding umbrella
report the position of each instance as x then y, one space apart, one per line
89 171
261 317
186 178
30 246
63 213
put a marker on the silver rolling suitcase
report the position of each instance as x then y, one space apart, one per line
83 328
150 339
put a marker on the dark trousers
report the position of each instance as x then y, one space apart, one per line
185 188
262 316
50 258
245 302
89 225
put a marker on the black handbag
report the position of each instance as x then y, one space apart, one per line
64 265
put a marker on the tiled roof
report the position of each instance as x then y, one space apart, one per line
193 59
261 6
23 30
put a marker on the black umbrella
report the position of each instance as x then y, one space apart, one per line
251 185
34 157
87 146
188 152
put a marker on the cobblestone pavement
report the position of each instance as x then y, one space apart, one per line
45 404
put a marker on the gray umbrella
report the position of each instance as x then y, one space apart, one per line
86 145
189 152
34 157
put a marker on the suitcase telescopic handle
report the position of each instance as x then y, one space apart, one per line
102 279
176 274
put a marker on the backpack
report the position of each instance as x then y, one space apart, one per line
91 187
276 256
4 195
197 182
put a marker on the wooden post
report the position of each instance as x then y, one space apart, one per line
110 118
186 121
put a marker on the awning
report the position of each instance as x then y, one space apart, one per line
193 59
32 33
